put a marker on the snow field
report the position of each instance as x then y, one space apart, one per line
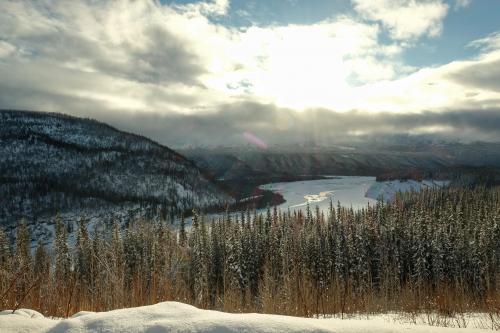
178 317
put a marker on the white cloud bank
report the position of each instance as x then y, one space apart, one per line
405 19
138 56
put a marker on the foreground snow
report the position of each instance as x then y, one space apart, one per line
178 317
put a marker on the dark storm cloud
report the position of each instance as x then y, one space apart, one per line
159 56
281 126
167 60
479 75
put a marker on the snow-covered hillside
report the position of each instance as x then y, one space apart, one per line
53 163
387 190
178 317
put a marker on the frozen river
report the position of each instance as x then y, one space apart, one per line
351 191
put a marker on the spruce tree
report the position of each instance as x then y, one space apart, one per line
23 246
62 255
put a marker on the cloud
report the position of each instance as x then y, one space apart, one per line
459 4
485 71
209 8
123 54
6 49
123 39
145 48
405 19
488 43
169 70
460 84
234 123
301 66
484 74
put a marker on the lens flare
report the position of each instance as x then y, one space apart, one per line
253 139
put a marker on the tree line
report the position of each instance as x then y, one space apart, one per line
436 250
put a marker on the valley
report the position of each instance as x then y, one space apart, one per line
223 166
86 203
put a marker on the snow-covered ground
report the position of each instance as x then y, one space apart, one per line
178 317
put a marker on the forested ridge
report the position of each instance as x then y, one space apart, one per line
52 163
433 251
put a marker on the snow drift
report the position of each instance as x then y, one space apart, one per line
178 317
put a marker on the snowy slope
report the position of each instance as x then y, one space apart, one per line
387 190
52 163
178 317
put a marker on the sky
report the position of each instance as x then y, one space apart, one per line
221 71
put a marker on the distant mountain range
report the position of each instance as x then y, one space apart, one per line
378 158
53 163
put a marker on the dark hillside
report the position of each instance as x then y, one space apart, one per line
53 163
